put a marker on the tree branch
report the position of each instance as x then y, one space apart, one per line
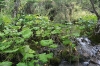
98 16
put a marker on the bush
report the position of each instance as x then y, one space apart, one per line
34 39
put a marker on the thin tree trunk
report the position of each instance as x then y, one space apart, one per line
16 6
96 35
92 3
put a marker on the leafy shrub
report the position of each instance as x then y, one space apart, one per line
87 24
83 14
33 38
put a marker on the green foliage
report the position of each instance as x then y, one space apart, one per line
2 4
87 24
21 64
36 33
46 42
6 63
44 57
5 44
27 52
26 33
33 40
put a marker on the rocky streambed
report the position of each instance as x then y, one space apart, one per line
89 54
86 54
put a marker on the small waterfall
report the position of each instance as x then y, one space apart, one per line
86 50
85 46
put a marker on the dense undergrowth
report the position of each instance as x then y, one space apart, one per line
36 40
33 40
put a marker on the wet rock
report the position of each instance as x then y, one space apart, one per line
65 63
95 60
86 48
87 51
91 64
85 63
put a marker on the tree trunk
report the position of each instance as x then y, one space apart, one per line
16 6
96 34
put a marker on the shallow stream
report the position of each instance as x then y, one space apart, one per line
90 54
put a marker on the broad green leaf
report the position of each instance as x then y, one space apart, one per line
46 42
19 40
6 63
66 41
27 52
82 27
44 57
57 27
36 28
46 33
64 37
73 45
76 34
18 23
53 46
2 34
55 31
38 32
7 20
26 33
28 55
27 49
29 17
50 55
50 28
5 44
21 64
31 63
16 27
10 51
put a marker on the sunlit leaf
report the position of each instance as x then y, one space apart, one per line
36 28
7 20
21 64
49 56
73 45
27 52
76 34
55 31
2 34
26 33
27 55
19 40
44 57
16 27
10 51
6 63
53 46
46 42
28 17
5 44
67 41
